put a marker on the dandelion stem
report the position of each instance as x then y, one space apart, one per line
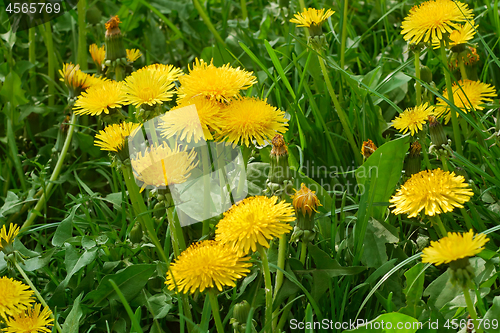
82 35
207 21
212 296
418 86
343 42
282 249
268 288
461 65
178 242
55 174
303 251
141 210
444 162
244 13
119 73
449 88
38 295
436 221
472 309
340 112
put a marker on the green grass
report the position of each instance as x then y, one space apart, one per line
364 262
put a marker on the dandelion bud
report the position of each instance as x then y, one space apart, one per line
436 131
413 162
368 148
136 233
240 316
425 74
279 161
460 272
7 238
114 40
305 202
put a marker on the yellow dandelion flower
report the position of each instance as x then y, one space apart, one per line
101 98
254 221
462 35
97 54
161 166
133 55
192 119
413 119
436 191
247 119
217 83
7 237
114 136
467 95
149 87
31 321
170 71
432 19
76 80
15 297
204 265
305 200
312 17
454 247
368 148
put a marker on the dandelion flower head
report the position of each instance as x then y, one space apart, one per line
413 119
216 83
207 264
15 297
254 221
247 119
31 321
432 19
467 95
100 99
434 191
453 247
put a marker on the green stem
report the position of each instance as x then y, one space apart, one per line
444 162
461 65
418 86
205 158
119 73
32 59
268 288
178 242
449 88
244 12
82 35
303 251
343 42
340 112
141 210
215 310
38 295
281 263
207 21
472 309
436 221
49 44
55 174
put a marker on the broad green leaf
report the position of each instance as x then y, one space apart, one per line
74 262
441 291
376 236
72 322
415 278
11 205
385 166
33 264
328 265
130 281
390 323
65 229
11 90
491 323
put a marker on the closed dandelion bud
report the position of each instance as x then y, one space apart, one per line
114 41
279 171
241 311
436 131
413 161
93 15
136 233
305 202
159 210
425 74
368 148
